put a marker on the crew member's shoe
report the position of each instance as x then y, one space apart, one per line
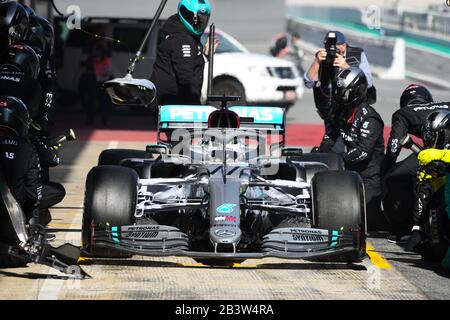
49 237
414 241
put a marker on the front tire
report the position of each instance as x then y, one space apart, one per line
110 200
338 204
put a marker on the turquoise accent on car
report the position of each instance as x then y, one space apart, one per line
266 115
115 234
226 208
200 113
334 238
184 113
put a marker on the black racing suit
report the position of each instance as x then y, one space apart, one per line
362 132
408 120
30 91
44 118
23 87
178 69
20 164
399 179
47 80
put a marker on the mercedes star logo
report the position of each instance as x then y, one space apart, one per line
225 233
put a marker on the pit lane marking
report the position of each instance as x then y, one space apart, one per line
51 288
376 258
59 225
113 145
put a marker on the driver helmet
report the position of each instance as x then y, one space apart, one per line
14 115
350 87
415 94
21 58
40 36
194 14
436 131
13 23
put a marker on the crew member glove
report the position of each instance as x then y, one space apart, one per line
429 155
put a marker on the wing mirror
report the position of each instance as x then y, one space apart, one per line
130 91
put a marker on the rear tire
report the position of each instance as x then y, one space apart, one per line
338 204
110 200
312 170
437 229
113 157
230 87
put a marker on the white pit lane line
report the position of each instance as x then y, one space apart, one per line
113 145
51 288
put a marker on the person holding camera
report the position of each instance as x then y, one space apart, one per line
339 55
336 56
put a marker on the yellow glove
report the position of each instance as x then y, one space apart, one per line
429 155
422 176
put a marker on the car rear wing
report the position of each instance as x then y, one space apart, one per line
173 117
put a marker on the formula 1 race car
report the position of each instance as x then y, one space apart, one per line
221 187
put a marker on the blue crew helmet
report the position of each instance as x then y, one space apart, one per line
194 14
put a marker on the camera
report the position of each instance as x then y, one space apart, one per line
330 47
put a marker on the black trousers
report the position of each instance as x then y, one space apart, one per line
376 220
52 193
399 195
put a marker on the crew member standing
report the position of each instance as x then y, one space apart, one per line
416 104
178 69
361 129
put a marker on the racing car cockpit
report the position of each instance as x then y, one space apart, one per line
223 118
